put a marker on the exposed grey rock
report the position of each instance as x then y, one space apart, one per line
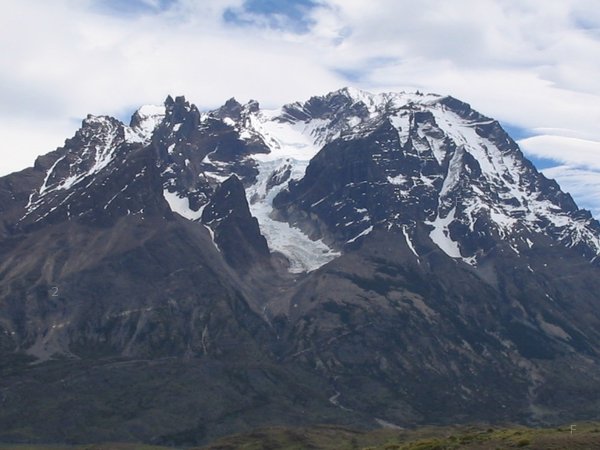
140 299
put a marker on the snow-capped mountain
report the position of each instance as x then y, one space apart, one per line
394 252
386 160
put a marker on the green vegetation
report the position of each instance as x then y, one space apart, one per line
109 446
586 436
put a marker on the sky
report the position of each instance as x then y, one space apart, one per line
532 64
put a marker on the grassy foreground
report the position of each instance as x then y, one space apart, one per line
586 436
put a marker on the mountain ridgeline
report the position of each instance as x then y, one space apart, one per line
370 260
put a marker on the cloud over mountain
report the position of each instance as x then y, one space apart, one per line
533 64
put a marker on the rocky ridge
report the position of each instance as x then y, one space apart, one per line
355 258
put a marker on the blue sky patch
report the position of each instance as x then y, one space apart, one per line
132 7
359 74
516 132
542 163
282 14
351 75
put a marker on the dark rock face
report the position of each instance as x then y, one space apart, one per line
237 233
377 318
96 167
145 296
346 185
336 106
197 152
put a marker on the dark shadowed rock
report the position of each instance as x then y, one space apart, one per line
400 261
236 232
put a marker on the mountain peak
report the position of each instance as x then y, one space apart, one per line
232 109
145 120
354 94
346 250
170 102
448 164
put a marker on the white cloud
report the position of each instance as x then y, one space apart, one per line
522 62
566 150
61 60
40 137
578 172
582 184
533 63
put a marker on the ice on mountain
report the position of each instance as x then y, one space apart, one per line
304 254
103 154
397 180
454 172
318 202
181 205
292 145
440 235
409 242
245 134
503 191
401 122
215 176
151 111
505 175
362 233
115 196
45 186
353 121
150 116
298 142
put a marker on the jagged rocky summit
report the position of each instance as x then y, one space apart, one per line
356 258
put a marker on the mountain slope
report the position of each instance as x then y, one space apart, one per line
355 258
